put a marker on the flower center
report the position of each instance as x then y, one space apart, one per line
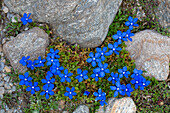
52 60
32 87
99 95
113 77
102 69
143 83
48 82
25 79
57 68
136 74
93 58
113 49
26 18
117 88
123 72
70 93
127 35
46 91
126 89
120 37
102 53
136 81
131 23
96 75
40 61
81 75
65 76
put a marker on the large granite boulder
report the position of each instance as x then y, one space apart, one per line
151 52
85 22
31 43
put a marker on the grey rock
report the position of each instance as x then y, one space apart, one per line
85 22
11 84
5 9
7 78
151 52
6 107
3 75
2 111
82 109
10 111
1 66
7 86
1 83
163 13
1 90
28 43
14 88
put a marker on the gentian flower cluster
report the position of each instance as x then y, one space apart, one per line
95 59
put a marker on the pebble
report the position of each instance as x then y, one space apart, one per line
6 78
10 111
1 92
7 69
3 75
14 88
6 108
1 66
5 9
7 86
26 28
2 111
3 40
1 83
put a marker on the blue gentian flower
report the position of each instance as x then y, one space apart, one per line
114 48
26 19
48 81
120 36
24 60
119 89
86 93
70 93
131 22
96 75
40 62
143 83
53 54
136 73
56 69
102 69
103 101
33 88
31 64
65 76
99 95
81 75
137 81
25 79
102 52
51 61
93 58
128 35
123 72
48 91
113 78
128 89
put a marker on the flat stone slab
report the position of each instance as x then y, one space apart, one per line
29 43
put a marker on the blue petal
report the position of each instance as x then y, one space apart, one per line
68 79
85 72
62 79
110 46
100 91
135 20
66 94
124 68
93 63
29 20
28 89
115 93
91 54
118 84
104 49
74 93
52 80
96 94
21 82
128 94
44 81
115 37
66 71
70 96
68 89
98 50
109 79
127 23
37 88
96 70
96 79
79 71
93 75
32 91
113 87
89 60
51 92
130 19
42 93
35 83
102 74
47 96
21 77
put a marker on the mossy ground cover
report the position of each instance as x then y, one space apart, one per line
153 98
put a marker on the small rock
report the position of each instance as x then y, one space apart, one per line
1 66
5 9
14 88
1 83
2 111
26 28
7 86
3 75
3 40
11 84
10 111
82 109
6 107
7 78
3 60
65 112
1 91
7 69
